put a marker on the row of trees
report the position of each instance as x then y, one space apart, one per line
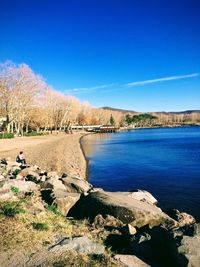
162 119
141 120
177 118
27 102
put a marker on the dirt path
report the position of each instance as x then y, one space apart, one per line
61 153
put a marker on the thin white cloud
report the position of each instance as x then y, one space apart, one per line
80 90
171 78
115 87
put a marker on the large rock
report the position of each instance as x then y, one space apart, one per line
52 189
121 206
23 186
53 184
130 261
64 200
190 249
76 185
79 244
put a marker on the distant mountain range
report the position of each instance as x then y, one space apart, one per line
132 111
118 109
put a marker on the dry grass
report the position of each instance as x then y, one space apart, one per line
20 230
20 241
81 260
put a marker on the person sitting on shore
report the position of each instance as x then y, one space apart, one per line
20 158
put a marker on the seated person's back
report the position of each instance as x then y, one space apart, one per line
20 158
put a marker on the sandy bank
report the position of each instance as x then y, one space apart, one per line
61 153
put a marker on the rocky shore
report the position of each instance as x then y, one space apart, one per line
47 218
54 218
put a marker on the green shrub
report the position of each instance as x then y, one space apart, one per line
14 189
6 135
34 133
11 209
53 209
40 226
42 133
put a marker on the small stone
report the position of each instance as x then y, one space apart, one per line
43 178
132 229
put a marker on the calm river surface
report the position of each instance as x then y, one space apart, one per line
165 162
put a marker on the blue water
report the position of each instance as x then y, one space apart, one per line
165 162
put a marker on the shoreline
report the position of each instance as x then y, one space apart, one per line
61 153
91 215
84 155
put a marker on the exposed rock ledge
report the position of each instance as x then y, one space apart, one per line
131 223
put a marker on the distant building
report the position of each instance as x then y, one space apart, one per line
107 129
88 128
95 128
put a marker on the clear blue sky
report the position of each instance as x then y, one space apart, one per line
142 55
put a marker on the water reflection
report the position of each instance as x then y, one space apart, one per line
92 143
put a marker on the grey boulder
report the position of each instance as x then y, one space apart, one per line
64 200
79 244
119 205
76 185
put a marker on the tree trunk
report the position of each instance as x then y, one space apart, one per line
17 128
12 127
27 127
8 127
22 129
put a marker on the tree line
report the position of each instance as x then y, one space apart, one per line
28 103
